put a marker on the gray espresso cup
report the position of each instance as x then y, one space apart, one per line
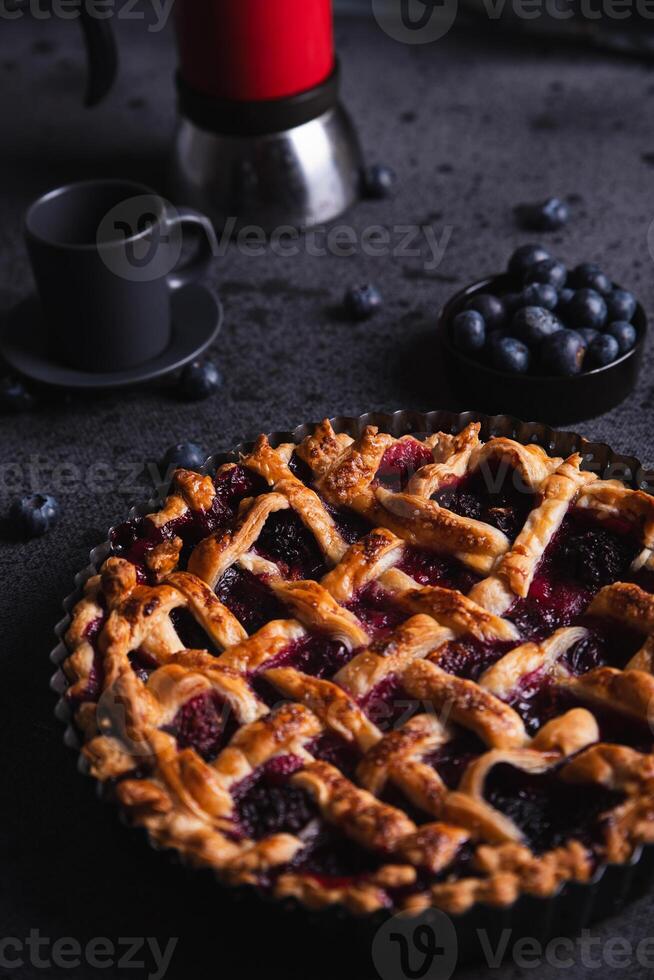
106 255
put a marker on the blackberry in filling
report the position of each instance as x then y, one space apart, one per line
351 526
286 541
400 462
607 645
337 752
495 494
375 609
451 759
315 655
583 556
191 634
429 568
205 723
270 804
334 860
548 811
469 658
248 598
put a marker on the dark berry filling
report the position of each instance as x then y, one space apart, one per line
133 539
388 705
286 541
429 568
142 664
94 627
400 462
606 645
337 752
334 860
191 634
315 655
375 609
583 556
237 483
469 658
350 525
270 804
495 494
249 598
205 723
451 759
301 470
548 811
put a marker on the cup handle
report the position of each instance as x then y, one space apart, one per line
206 249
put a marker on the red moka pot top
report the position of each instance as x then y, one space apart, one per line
255 49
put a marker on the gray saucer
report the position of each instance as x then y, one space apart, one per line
197 316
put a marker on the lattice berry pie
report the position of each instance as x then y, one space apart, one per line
384 673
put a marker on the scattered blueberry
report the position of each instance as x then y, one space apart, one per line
469 331
550 271
586 309
378 181
511 355
532 324
562 353
624 333
525 257
603 350
199 380
540 294
588 275
187 455
587 334
551 215
14 396
362 302
35 514
492 309
621 305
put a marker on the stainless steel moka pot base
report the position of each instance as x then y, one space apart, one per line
293 161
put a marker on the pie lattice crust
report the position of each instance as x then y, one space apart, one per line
419 603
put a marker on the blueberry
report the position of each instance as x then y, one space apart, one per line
14 396
199 380
378 181
35 514
624 333
533 324
603 350
565 295
550 271
586 309
551 215
525 257
492 309
187 455
469 331
588 275
562 354
540 294
587 334
362 302
512 302
621 305
509 354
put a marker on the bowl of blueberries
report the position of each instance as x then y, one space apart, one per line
543 341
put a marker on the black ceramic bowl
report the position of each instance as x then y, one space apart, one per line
552 399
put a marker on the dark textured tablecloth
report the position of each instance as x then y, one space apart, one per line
472 126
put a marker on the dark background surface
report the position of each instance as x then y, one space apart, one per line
472 128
